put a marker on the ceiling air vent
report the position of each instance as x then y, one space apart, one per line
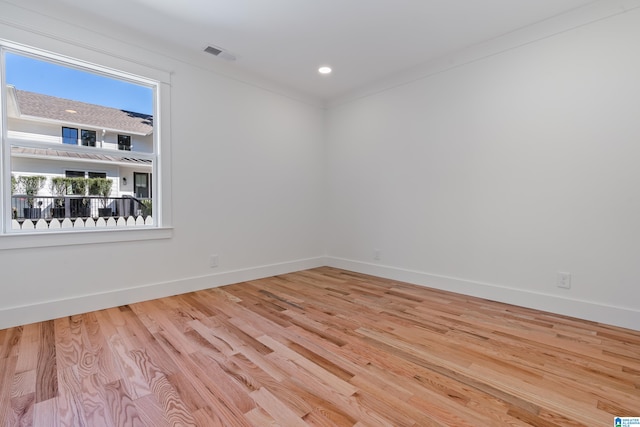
220 53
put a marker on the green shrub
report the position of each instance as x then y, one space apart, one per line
101 187
147 207
31 185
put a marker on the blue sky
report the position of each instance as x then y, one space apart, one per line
44 77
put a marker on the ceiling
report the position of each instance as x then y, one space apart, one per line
285 41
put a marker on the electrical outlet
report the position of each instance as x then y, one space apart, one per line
376 254
564 280
213 261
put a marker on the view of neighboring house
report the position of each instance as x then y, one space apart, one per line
65 138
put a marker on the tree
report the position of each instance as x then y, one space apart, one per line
31 185
101 187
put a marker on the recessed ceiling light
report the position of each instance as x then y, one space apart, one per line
324 70
71 111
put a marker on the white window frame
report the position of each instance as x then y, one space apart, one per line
110 66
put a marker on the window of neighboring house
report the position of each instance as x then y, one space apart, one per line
124 142
74 174
81 174
31 153
142 185
88 138
69 136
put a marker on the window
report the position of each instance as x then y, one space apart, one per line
88 138
47 124
124 142
142 185
69 136
82 174
74 174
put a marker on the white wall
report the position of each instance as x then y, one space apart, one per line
485 179
32 130
141 143
491 177
247 175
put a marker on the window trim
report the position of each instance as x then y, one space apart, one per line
84 237
67 53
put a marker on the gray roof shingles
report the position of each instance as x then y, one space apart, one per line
91 115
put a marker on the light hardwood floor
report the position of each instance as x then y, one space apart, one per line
322 347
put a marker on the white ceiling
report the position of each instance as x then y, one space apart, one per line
285 41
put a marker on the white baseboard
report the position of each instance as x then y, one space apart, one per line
587 310
53 309
47 310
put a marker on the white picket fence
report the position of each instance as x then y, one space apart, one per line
67 223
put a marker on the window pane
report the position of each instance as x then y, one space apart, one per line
88 138
124 142
54 112
74 174
141 183
69 136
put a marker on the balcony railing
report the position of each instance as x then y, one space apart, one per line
42 211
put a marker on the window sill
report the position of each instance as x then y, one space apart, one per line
68 238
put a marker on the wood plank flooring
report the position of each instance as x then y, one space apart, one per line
322 347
